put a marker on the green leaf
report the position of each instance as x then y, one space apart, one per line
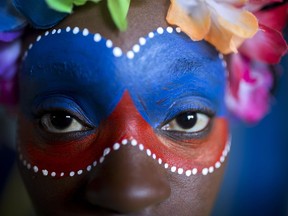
65 6
82 2
119 10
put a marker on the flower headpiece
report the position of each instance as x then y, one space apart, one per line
234 27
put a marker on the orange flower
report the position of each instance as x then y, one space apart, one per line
223 23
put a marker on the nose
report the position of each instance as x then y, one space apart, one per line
128 181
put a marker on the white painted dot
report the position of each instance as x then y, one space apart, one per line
130 54
141 147
68 29
154 156
97 37
28 166
80 172
178 29
116 146
101 160
46 33
222 159
194 171
225 152
117 52
148 151
59 31
72 173
53 174
211 169
136 48
142 41
180 171
159 160
125 142
38 38
24 162
85 32
173 169
54 31
62 174
109 43
35 168
228 148
106 151
169 29
45 172
205 171
76 30
166 165
133 142
160 30
220 55
30 46
95 163
89 168
21 157
217 165
188 173
151 35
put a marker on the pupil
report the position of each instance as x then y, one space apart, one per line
61 120
187 120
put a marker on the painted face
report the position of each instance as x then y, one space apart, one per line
110 132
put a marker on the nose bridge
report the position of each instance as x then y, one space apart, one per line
127 180
124 122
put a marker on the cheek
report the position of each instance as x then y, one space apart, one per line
194 156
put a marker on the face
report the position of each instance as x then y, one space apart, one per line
111 128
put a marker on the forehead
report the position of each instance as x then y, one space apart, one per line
163 66
72 53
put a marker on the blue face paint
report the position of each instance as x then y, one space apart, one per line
166 75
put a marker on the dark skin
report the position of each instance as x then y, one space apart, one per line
128 182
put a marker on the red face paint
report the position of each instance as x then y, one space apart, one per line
68 158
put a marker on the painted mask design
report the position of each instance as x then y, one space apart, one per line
84 98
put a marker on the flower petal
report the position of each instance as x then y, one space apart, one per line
268 46
195 22
9 54
238 21
10 18
252 100
46 19
275 18
223 40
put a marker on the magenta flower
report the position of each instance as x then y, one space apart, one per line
249 94
251 79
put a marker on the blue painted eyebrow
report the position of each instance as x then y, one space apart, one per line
168 75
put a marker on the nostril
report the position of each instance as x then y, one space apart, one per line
124 185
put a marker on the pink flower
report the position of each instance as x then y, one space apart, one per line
248 95
268 45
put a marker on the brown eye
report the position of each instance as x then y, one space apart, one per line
188 122
61 122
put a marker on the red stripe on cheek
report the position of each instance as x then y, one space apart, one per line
125 122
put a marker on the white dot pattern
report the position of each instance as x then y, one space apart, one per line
133 142
117 52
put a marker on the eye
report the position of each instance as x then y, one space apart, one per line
188 122
61 122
